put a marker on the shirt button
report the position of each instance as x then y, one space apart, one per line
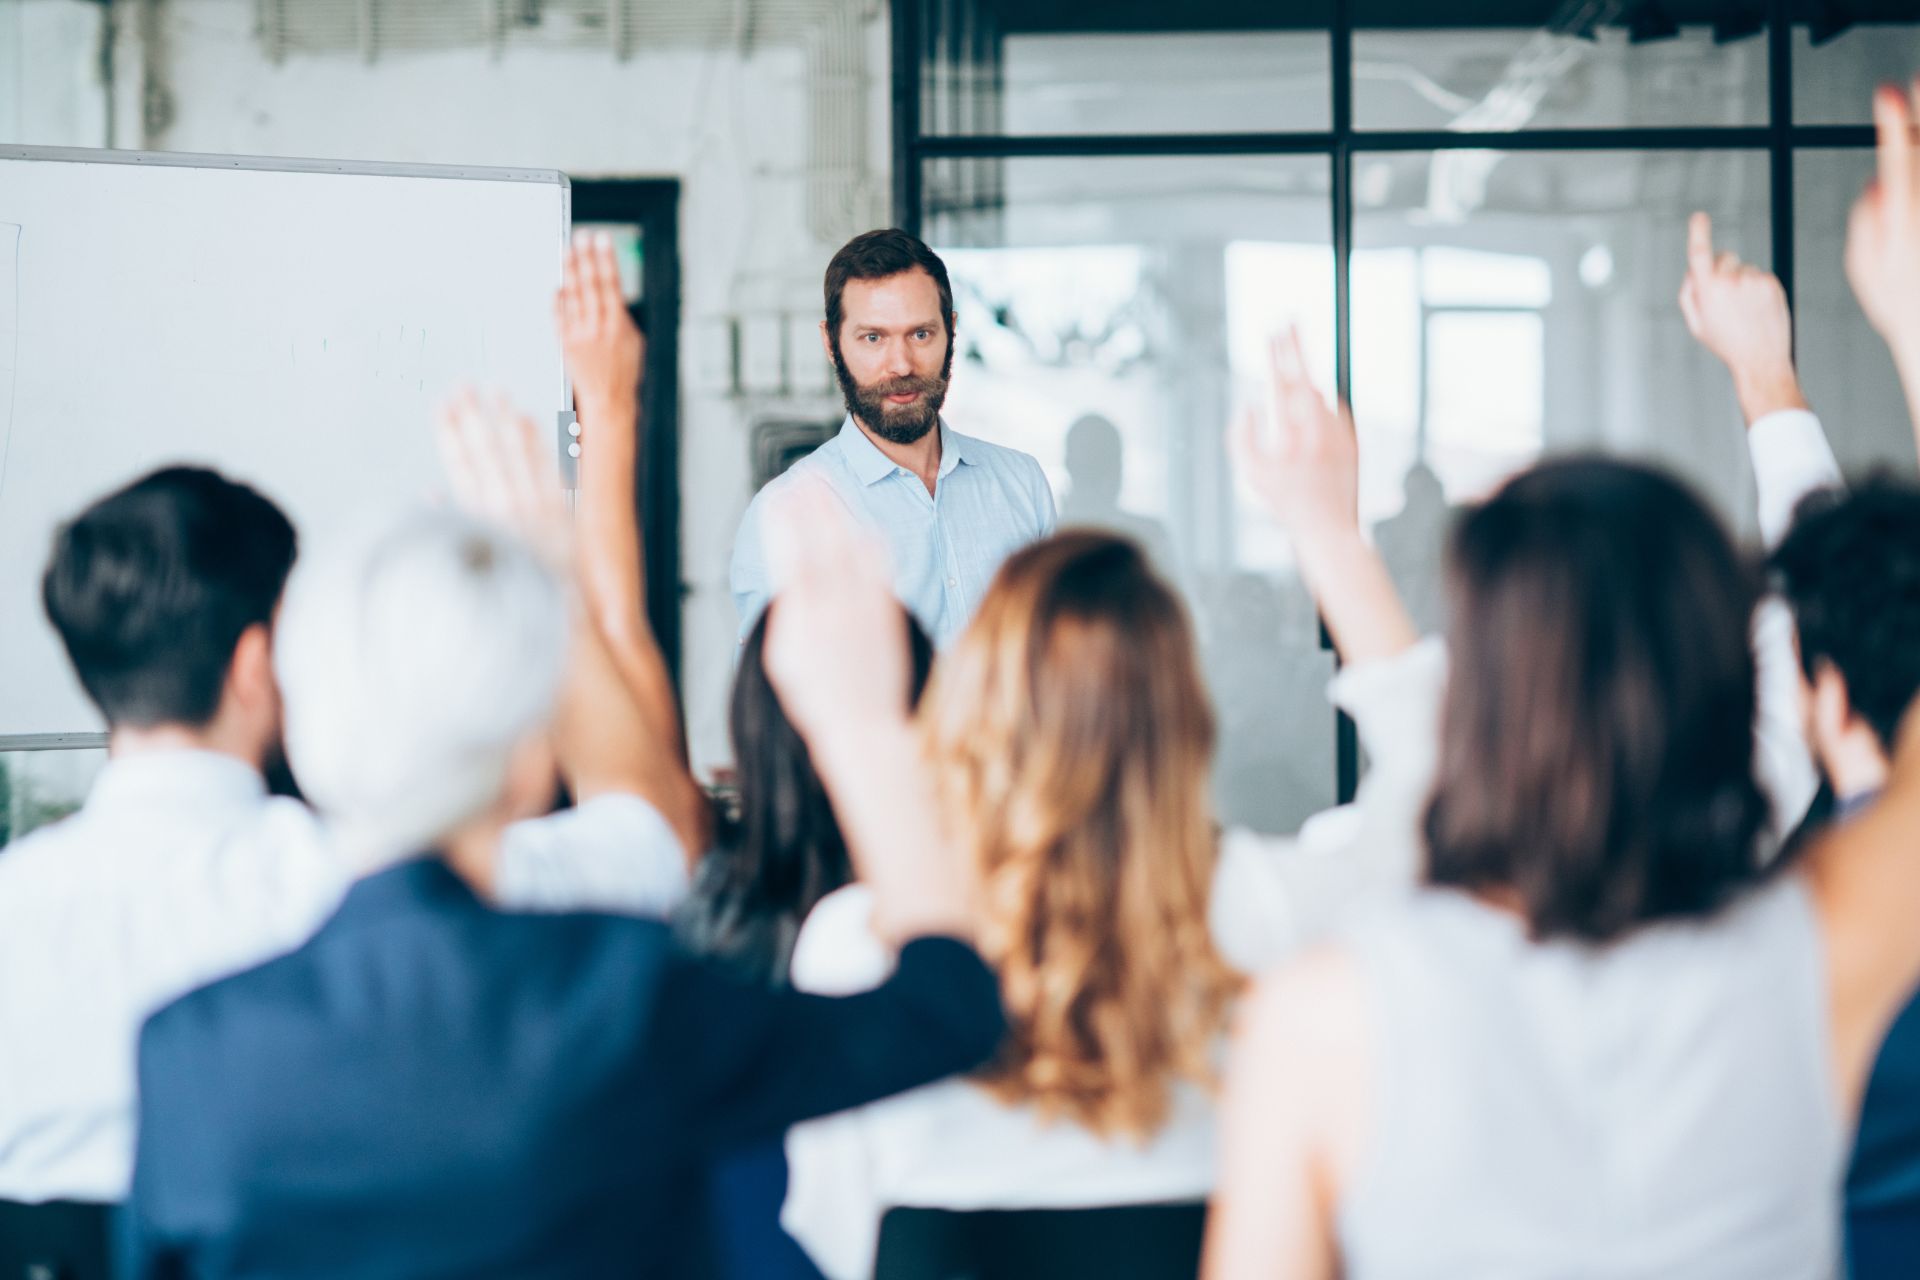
953 582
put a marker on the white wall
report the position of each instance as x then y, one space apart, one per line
731 124
50 89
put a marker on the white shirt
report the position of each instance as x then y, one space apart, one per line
179 870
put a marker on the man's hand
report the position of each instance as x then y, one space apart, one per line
1739 313
604 349
1305 466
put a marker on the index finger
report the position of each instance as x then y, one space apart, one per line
1700 244
1893 127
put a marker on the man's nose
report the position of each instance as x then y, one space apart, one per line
899 361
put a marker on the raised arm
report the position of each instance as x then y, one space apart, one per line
501 468
1739 313
605 353
837 657
1303 465
1883 238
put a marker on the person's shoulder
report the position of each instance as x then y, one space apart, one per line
1001 455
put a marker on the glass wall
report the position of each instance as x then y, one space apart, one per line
1132 197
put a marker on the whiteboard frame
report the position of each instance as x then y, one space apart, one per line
281 164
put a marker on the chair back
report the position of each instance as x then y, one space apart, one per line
58 1240
1118 1242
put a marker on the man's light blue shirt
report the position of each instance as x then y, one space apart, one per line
988 502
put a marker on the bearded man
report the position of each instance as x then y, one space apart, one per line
949 507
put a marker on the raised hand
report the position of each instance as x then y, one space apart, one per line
603 347
1739 313
836 640
500 468
837 656
1883 237
1302 462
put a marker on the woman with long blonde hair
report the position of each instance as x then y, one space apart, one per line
1070 736
1071 739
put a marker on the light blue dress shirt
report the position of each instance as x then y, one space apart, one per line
988 502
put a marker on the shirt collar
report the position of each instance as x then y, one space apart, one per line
183 777
870 466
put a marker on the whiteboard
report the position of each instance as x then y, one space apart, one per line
291 323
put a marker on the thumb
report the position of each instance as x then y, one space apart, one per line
1690 307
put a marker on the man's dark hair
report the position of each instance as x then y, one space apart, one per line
1849 570
876 255
1596 758
151 587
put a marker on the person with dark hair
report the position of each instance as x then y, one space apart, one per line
1603 1036
784 851
1849 572
949 507
181 869
772 862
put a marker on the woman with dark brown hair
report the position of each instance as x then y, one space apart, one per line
1605 1038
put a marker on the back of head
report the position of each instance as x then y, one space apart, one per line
787 851
1596 763
151 587
1850 572
1072 739
416 657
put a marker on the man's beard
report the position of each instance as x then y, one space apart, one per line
895 423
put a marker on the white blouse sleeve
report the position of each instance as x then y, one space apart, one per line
1791 459
1273 895
612 853
834 1200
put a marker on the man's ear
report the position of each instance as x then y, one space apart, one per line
250 680
826 341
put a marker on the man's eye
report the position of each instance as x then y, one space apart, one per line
869 337
923 334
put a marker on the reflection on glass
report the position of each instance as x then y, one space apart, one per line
1837 64
993 68
1848 374
1527 307
38 787
1581 66
1107 308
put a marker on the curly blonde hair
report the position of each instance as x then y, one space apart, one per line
1072 738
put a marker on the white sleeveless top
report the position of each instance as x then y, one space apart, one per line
1659 1107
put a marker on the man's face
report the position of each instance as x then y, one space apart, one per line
892 355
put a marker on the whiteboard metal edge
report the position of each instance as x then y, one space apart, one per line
202 160
51 741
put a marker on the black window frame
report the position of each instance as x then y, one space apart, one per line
1779 138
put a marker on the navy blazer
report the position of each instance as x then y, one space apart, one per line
433 1088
